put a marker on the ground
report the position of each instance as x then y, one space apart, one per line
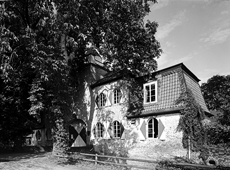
147 150
154 149
43 161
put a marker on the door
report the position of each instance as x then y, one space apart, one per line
77 133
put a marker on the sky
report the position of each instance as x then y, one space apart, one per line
195 32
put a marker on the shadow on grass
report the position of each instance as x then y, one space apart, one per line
19 156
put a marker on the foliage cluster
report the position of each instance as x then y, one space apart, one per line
117 147
44 47
170 165
190 122
217 134
216 93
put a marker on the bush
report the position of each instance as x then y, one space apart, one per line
217 134
117 147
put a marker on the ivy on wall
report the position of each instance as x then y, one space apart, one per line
190 122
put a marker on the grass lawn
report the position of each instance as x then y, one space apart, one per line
44 161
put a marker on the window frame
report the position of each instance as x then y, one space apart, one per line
152 128
38 135
153 131
145 92
116 129
117 96
99 130
101 100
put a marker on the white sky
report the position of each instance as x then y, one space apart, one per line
195 32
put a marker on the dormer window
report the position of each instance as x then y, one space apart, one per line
101 100
117 96
150 92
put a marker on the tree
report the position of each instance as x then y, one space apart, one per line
49 40
216 93
190 122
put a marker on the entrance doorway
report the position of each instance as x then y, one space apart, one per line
77 133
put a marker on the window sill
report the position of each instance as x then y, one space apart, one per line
150 103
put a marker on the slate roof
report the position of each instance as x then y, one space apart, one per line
171 83
195 87
169 89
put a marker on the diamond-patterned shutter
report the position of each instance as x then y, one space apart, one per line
143 129
122 131
161 128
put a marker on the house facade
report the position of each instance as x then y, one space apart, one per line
159 117
104 100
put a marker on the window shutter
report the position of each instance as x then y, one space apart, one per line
96 101
143 129
161 128
122 131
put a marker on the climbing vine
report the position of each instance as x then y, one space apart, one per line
190 122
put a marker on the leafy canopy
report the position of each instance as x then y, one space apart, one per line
44 47
216 93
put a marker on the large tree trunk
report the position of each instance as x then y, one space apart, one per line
61 139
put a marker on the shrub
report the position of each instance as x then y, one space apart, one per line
117 147
217 134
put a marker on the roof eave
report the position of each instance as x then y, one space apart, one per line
155 113
105 82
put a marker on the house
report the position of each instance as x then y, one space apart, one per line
160 114
102 105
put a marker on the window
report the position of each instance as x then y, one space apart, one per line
150 92
101 100
38 135
116 129
116 96
153 128
48 134
99 130
133 122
